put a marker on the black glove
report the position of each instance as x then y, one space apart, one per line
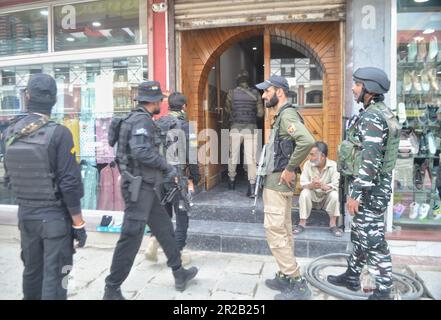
79 234
170 173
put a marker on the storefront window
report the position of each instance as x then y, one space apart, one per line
90 92
103 23
24 32
416 198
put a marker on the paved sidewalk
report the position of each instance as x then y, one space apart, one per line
222 276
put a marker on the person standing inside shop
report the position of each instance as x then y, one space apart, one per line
374 138
143 170
289 144
40 167
175 137
243 106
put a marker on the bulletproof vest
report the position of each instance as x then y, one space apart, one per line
173 140
124 157
349 151
244 109
282 149
28 167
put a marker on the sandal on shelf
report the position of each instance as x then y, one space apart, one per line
298 229
336 231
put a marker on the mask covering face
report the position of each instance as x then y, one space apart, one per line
272 102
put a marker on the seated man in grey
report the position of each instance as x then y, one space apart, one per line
319 181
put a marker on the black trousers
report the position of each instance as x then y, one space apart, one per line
181 223
47 253
147 210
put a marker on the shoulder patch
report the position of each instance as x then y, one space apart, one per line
141 131
291 129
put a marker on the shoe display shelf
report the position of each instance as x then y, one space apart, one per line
419 110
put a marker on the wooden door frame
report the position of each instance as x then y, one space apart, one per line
201 48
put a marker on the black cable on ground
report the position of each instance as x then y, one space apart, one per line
413 289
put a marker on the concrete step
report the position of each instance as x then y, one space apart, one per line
221 204
242 237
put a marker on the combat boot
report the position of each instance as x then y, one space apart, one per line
151 253
280 282
251 188
381 295
231 184
183 276
297 290
347 279
113 294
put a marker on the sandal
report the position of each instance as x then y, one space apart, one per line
298 229
336 231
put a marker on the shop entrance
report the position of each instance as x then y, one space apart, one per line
308 55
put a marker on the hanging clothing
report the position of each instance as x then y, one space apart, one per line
87 139
89 174
110 197
104 152
73 125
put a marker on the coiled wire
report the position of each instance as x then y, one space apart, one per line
413 289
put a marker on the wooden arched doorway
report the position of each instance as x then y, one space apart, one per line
200 49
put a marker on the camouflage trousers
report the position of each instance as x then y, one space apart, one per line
370 247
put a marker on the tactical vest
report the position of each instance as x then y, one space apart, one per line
173 139
349 151
244 109
28 167
280 150
124 157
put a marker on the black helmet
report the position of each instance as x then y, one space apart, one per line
176 100
374 80
242 76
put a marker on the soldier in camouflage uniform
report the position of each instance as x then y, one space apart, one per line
374 135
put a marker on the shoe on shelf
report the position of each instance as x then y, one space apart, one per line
422 51
401 112
433 118
414 208
423 145
436 211
430 138
433 48
431 73
415 82
407 82
412 52
398 210
423 211
425 83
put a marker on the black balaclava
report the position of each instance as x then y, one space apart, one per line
42 90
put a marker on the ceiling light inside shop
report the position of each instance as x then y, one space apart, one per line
428 31
96 24
44 12
254 48
70 39
420 1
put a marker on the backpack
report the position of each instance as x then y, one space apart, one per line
349 151
173 141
